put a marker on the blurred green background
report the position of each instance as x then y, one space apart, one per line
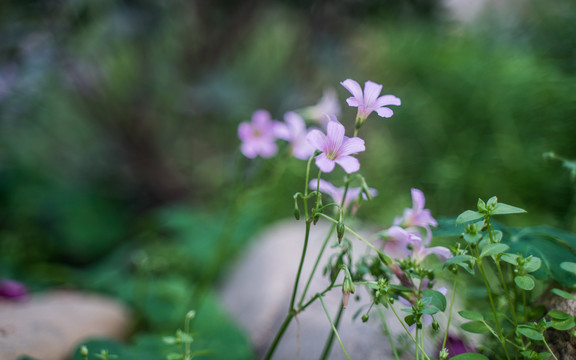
120 169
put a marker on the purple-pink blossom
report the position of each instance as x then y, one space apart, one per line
327 105
336 148
417 216
13 290
258 136
293 130
420 252
337 193
369 100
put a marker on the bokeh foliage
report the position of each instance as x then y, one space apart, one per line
118 126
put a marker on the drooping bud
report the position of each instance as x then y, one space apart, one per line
365 318
340 228
84 352
347 287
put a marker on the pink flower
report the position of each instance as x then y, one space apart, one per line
293 130
420 252
13 290
336 148
369 100
258 136
397 241
417 216
337 193
327 105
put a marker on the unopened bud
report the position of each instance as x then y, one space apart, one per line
84 351
435 325
297 213
340 228
365 318
443 354
316 218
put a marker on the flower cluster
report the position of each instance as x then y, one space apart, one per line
404 238
260 134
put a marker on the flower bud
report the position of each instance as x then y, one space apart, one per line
84 351
347 287
297 213
340 228
443 354
365 318
435 325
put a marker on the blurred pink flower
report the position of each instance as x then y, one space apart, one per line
417 216
327 105
13 290
420 252
336 147
337 193
369 100
293 130
258 136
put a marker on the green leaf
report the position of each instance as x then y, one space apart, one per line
468 216
502 209
437 299
470 356
563 325
174 356
410 320
533 265
559 315
471 315
493 249
530 333
510 258
430 311
564 294
569 266
476 327
524 282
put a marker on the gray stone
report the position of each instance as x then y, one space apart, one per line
51 325
258 290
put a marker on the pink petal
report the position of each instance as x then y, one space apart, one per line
418 199
371 93
352 101
354 89
349 164
325 164
249 150
384 112
352 146
440 251
260 117
317 139
325 187
244 131
386 100
335 133
301 149
295 123
281 131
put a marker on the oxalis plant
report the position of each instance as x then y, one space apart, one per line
401 269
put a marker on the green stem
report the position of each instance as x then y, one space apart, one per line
452 297
388 333
548 347
334 328
351 232
279 335
316 263
405 328
492 305
417 344
330 340
304 248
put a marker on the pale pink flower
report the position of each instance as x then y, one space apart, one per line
417 216
420 252
337 193
327 105
336 148
369 100
258 136
293 130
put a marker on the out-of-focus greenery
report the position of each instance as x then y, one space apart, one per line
119 162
